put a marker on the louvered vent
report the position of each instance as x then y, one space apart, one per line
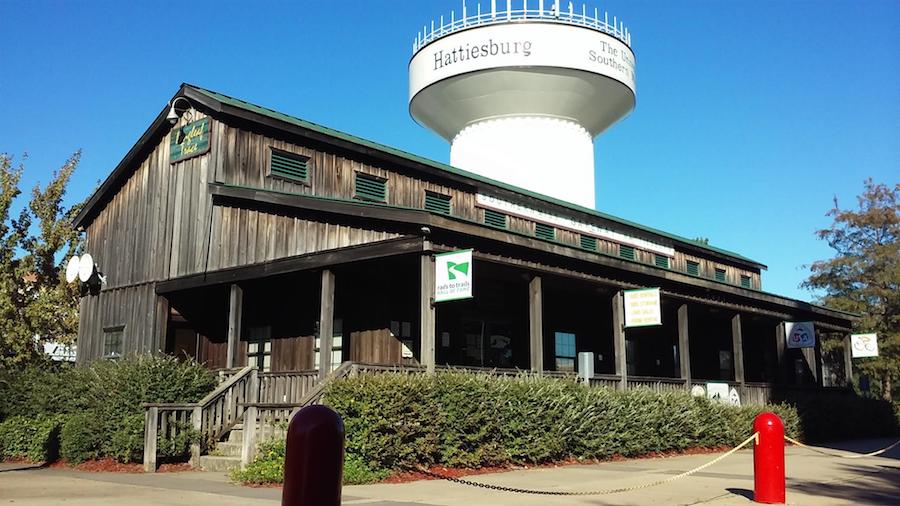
662 261
626 252
289 166
369 187
589 243
542 231
437 203
494 219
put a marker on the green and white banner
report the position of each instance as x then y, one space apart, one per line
453 275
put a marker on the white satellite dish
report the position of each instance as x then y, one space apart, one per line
72 269
86 267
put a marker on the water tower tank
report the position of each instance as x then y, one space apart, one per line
520 88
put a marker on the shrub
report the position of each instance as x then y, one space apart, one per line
34 439
396 421
268 467
126 444
80 438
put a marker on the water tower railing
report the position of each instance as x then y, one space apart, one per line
532 10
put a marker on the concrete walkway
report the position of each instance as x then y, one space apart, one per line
812 480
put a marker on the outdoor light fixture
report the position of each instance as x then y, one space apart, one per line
173 114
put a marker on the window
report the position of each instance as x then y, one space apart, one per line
288 166
565 351
112 342
494 219
437 203
661 261
369 187
626 252
720 275
589 243
693 268
337 345
544 231
259 348
745 281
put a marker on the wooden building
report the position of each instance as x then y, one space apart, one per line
241 235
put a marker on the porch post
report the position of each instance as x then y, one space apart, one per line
684 345
161 324
619 339
235 308
779 353
536 323
737 343
848 361
326 323
426 312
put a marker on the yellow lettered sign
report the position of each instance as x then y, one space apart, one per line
642 307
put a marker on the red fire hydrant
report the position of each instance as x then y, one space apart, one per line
768 459
314 458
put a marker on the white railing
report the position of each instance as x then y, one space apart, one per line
531 10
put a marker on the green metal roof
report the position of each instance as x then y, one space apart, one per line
225 99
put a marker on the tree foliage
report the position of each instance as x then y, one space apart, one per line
36 304
864 275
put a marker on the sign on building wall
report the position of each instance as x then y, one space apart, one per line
453 275
800 334
189 141
642 308
864 345
722 393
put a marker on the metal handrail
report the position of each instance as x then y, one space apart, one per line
546 10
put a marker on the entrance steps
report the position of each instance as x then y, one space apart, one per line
227 454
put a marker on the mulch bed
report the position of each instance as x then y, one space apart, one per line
108 466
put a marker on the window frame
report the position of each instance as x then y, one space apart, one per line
556 351
107 333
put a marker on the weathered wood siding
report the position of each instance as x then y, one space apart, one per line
133 308
247 236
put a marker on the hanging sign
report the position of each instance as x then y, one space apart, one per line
717 392
189 141
642 307
453 275
863 345
800 334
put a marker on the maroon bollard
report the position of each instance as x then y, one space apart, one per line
768 459
314 458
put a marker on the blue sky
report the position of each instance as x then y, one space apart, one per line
751 116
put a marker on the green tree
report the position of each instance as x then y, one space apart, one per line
864 275
36 304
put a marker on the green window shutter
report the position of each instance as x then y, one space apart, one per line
661 261
589 243
693 268
288 165
437 203
745 281
544 232
494 219
369 187
626 252
720 275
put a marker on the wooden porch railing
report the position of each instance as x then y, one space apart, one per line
266 419
212 416
286 387
656 384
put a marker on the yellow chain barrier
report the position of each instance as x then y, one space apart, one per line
830 454
592 492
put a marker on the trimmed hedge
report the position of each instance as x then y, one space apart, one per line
101 404
33 439
395 421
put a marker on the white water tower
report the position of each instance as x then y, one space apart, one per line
520 88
